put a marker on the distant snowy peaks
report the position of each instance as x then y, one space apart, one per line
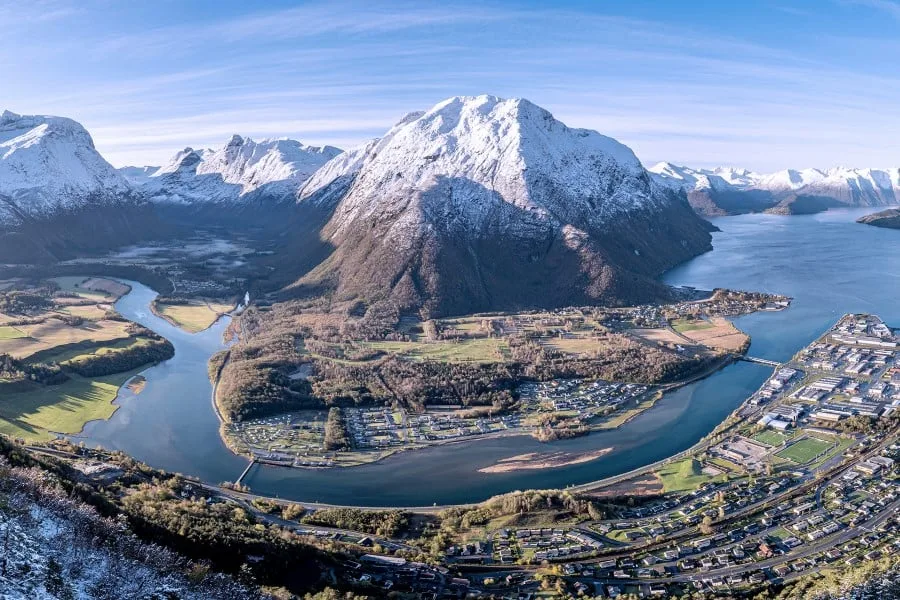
184 160
727 191
242 166
780 181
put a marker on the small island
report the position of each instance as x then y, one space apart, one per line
889 219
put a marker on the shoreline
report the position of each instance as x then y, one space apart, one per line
727 360
658 396
173 323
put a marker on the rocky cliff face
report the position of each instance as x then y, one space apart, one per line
484 203
889 219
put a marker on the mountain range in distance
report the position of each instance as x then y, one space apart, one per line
478 203
728 191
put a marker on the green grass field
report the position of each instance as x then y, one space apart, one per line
73 351
194 317
682 325
64 408
480 350
683 475
804 451
11 333
769 437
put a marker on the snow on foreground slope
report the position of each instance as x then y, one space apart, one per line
243 167
857 187
55 548
49 164
481 201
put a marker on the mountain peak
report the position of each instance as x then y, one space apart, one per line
48 164
274 168
474 172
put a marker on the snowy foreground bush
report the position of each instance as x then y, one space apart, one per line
878 586
52 547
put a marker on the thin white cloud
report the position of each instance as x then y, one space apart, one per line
886 6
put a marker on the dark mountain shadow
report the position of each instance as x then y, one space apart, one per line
443 265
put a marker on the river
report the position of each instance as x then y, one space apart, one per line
829 264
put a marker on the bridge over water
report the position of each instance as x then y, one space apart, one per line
761 361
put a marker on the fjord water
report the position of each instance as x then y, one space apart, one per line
828 263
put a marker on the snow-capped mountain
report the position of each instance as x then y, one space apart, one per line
273 169
49 165
726 190
58 197
483 202
137 176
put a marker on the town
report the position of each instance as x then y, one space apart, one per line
782 492
695 330
775 495
296 439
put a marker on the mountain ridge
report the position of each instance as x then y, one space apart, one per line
472 204
240 169
723 190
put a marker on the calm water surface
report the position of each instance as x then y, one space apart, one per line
827 263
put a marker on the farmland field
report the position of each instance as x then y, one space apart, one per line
54 332
10 333
195 316
38 413
715 333
479 350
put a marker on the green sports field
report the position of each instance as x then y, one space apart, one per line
804 451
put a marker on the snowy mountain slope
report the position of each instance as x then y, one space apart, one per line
466 205
783 191
241 168
49 165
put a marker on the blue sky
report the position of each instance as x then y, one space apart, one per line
763 84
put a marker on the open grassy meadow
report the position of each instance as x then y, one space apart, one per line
93 288
685 325
38 413
53 332
477 350
683 475
195 316
11 333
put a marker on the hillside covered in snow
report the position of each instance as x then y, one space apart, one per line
60 198
482 202
49 165
241 170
